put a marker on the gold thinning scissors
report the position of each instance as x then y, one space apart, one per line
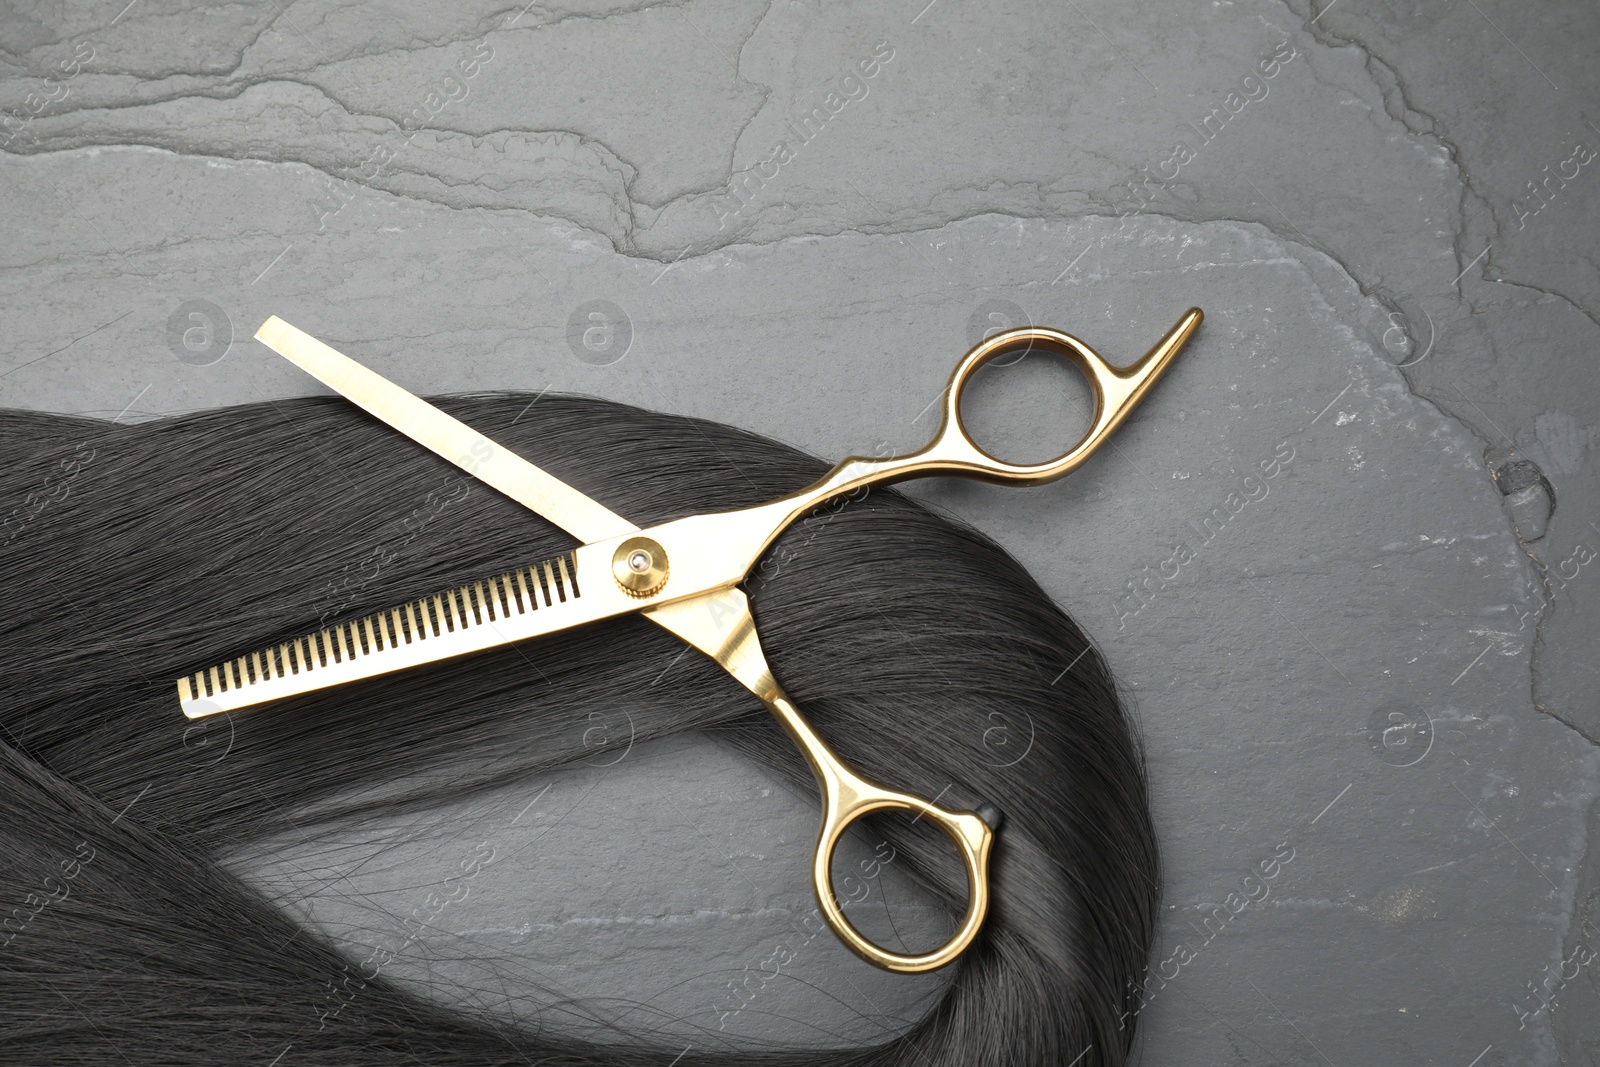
682 575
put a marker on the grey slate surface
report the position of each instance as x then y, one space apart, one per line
1384 658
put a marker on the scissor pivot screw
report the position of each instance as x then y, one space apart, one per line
640 567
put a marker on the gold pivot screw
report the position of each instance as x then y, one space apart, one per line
640 567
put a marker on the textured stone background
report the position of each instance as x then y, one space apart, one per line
1386 663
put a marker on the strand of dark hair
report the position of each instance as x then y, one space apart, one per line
142 552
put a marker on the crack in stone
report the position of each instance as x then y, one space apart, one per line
1469 196
1385 76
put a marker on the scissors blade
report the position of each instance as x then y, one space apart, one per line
489 462
522 604
528 602
718 623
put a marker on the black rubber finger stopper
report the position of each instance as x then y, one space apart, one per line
991 815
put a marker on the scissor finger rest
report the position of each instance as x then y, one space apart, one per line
852 797
1116 392
846 796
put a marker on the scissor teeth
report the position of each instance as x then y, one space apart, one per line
330 656
570 579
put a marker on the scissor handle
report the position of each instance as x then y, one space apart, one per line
1116 392
847 797
953 451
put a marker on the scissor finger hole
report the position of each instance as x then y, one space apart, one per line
1027 406
872 882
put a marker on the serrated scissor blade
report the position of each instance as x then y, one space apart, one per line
515 606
